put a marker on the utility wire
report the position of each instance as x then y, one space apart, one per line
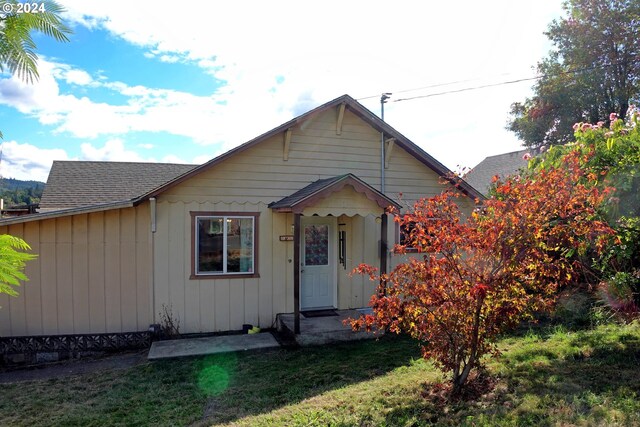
424 87
503 83
466 89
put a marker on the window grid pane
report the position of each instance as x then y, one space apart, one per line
210 245
224 245
239 245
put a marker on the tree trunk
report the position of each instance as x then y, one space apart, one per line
461 379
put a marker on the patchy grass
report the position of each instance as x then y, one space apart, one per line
545 377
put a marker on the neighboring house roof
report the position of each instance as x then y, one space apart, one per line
74 184
503 165
322 188
359 110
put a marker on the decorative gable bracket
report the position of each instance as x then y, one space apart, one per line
341 109
387 151
287 144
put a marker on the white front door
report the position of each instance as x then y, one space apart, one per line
318 269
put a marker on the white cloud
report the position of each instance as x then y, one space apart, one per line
67 73
279 61
28 162
146 109
198 160
146 146
169 58
78 77
112 150
172 158
330 48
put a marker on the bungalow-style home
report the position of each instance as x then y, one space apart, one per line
273 226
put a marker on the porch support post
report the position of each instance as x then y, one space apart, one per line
383 244
296 273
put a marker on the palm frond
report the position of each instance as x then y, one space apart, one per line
17 48
49 22
12 263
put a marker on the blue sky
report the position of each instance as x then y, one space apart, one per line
146 81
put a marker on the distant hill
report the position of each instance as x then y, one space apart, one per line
16 192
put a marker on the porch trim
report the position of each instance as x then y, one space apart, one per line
323 188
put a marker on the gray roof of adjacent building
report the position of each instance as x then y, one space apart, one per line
73 184
502 165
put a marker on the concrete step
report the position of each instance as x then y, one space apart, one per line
321 330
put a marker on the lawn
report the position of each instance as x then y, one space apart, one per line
545 377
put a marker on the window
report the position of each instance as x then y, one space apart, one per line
224 244
405 237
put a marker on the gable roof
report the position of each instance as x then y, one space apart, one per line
503 165
356 108
74 184
75 187
322 188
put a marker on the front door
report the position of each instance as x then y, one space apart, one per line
318 272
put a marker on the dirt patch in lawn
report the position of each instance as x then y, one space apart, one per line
73 367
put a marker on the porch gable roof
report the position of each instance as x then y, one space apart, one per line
323 188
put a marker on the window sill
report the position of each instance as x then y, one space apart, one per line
411 251
224 276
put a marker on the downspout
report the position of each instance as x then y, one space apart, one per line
152 201
152 206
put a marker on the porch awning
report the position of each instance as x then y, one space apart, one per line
349 196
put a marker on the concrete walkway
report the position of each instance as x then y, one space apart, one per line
211 345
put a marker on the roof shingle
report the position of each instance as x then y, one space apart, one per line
503 165
74 184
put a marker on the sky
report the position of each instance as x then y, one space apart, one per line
182 82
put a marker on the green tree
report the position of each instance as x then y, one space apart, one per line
611 154
594 70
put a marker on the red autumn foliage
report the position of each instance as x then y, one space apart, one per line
478 277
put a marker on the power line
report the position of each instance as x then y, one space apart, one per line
502 83
424 87
466 89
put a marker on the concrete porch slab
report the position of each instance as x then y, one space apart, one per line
322 330
211 345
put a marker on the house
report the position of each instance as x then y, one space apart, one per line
502 165
273 226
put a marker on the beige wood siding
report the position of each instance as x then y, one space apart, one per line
260 175
92 275
224 303
247 182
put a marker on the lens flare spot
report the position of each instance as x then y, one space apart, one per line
213 380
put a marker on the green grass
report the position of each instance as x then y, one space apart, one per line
545 377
